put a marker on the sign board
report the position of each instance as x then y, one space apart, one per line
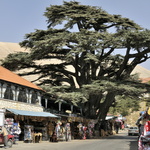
2 117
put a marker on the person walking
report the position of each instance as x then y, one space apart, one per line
4 131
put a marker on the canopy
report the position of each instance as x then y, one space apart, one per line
32 113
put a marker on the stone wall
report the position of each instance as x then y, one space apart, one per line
4 103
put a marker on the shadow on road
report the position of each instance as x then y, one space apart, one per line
120 136
132 140
133 145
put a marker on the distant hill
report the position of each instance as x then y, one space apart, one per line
7 48
141 71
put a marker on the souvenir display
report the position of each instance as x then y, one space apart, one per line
67 132
28 131
16 131
9 122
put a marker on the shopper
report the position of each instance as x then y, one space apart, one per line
4 131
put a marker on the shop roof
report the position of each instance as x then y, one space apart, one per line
9 76
31 113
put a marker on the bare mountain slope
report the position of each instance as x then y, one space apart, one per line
141 71
7 48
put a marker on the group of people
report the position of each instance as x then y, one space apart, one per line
143 123
142 120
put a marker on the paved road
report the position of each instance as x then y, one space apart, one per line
120 141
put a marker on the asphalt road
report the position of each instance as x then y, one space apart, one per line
120 141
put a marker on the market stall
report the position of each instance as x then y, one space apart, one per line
35 126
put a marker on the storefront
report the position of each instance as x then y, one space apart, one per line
82 128
68 128
34 126
41 126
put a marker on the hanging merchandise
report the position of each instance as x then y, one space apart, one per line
91 129
62 136
9 123
16 131
68 131
57 130
84 132
80 133
51 128
80 126
28 132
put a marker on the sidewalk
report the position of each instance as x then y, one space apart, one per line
46 145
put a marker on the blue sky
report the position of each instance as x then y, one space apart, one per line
18 17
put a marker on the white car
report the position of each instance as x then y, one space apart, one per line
133 131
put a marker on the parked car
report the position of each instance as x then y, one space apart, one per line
133 131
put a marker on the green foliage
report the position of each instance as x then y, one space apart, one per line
18 61
65 93
119 87
85 49
125 105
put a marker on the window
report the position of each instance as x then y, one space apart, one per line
34 97
22 97
8 93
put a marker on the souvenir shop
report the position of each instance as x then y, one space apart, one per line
62 129
82 128
42 126
34 127
68 128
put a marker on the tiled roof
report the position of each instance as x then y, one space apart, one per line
9 76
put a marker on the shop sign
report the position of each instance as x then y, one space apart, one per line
2 117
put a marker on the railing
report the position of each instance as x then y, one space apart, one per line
6 103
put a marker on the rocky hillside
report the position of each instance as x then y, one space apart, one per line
132 118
